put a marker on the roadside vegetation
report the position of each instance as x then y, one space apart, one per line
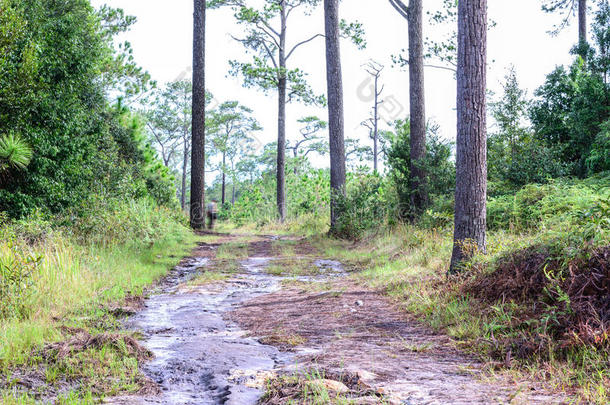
64 290
94 182
88 214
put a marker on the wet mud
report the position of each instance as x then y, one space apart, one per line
219 343
199 357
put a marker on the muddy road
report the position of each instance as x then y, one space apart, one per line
245 310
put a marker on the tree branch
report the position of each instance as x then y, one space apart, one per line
442 67
302 43
401 7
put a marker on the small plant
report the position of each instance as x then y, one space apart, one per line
14 153
17 284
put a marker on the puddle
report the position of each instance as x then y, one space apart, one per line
201 358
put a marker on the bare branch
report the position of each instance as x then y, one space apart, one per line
442 67
302 43
401 7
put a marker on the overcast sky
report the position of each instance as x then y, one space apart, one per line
162 42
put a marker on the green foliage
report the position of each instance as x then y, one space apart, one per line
14 153
112 222
599 159
561 203
440 170
570 110
353 31
368 205
307 192
573 104
56 64
515 156
17 283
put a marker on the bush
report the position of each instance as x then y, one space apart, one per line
440 213
568 299
368 205
306 193
536 207
439 168
106 223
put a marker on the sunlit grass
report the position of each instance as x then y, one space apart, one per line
73 285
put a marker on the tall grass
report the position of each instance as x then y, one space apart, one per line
84 266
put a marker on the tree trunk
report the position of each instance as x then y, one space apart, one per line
334 82
233 193
376 124
224 182
582 21
197 211
419 192
471 158
281 122
185 158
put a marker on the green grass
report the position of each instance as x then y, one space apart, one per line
292 267
73 286
233 250
410 264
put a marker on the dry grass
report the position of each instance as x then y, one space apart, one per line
411 265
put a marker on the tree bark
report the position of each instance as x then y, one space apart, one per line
334 83
419 192
185 157
197 209
224 182
471 158
582 21
281 121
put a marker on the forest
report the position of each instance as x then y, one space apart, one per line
177 242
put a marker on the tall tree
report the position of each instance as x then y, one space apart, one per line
471 157
234 124
419 196
197 209
266 35
334 81
417 103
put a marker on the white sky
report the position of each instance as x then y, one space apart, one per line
162 42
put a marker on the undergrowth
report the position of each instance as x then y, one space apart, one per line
60 280
535 306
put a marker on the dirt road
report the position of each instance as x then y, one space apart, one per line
250 314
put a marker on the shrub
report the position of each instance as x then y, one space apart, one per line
113 222
17 268
368 205
440 170
536 207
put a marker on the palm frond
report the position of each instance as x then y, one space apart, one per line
14 152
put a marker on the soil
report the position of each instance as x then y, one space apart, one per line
226 341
